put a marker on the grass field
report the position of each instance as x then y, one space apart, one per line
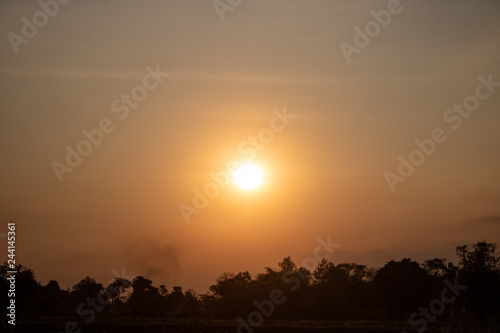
150 325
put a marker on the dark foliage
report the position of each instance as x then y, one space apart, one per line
344 291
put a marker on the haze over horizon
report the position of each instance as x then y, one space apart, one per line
324 167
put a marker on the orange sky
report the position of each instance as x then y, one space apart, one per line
324 171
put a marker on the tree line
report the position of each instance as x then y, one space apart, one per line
435 289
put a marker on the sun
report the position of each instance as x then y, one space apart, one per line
248 176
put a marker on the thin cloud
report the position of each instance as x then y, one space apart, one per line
486 220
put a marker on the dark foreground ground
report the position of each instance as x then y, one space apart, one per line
119 325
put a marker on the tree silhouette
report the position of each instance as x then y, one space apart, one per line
341 290
145 300
401 287
27 288
231 294
117 294
479 270
439 269
86 289
344 291
52 300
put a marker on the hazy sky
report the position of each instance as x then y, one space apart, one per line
324 171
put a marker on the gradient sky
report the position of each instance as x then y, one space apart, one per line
324 172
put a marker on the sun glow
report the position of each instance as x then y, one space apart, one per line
248 176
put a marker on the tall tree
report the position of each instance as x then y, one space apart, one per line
232 294
401 287
145 300
480 271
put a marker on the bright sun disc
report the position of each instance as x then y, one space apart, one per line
248 176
